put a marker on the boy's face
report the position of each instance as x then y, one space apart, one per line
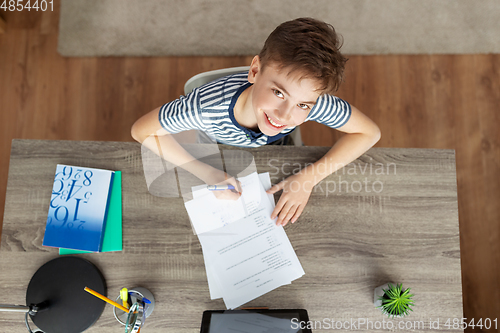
279 100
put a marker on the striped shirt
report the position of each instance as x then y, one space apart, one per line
210 108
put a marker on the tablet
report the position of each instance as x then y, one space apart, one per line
255 321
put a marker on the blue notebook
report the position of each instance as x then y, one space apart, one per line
112 239
78 208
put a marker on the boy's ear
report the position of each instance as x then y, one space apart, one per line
254 69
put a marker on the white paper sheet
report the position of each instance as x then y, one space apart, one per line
208 213
213 286
249 257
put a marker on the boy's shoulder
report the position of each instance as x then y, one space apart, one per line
330 110
222 90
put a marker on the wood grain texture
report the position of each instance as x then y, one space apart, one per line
450 102
457 99
350 238
3 25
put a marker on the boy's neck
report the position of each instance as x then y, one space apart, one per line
243 110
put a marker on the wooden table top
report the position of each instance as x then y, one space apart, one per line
389 216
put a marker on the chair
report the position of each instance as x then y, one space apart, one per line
206 77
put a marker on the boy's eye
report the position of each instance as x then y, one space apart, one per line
303 106
278 93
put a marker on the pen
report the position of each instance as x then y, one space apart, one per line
105 299
220 187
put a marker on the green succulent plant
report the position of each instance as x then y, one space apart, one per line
396 301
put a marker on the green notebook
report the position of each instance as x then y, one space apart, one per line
112 240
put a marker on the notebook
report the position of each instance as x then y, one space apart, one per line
78 208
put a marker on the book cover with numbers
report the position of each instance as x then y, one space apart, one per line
78 208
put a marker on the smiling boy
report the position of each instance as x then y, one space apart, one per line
291 81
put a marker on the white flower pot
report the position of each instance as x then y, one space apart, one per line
377 293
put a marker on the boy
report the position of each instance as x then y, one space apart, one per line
291 81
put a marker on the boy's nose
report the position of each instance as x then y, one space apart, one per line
284 113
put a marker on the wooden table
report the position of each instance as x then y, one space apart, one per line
394 218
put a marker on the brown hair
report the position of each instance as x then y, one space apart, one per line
310 47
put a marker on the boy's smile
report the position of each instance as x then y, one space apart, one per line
276 100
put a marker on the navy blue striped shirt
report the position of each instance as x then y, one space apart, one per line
210 108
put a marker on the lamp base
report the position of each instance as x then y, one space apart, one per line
59 287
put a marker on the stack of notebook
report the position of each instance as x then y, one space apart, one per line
85 211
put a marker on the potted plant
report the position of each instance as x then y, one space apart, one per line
393 300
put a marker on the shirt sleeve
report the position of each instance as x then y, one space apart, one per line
331 111
182 114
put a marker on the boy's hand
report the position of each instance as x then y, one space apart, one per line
296 192
228 194
221 178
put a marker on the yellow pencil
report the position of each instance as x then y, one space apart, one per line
105 299
124 297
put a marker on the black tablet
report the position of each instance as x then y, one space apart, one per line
255 321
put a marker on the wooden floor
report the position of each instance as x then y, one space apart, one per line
424 101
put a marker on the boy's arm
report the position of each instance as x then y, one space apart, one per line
361 134
148 131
